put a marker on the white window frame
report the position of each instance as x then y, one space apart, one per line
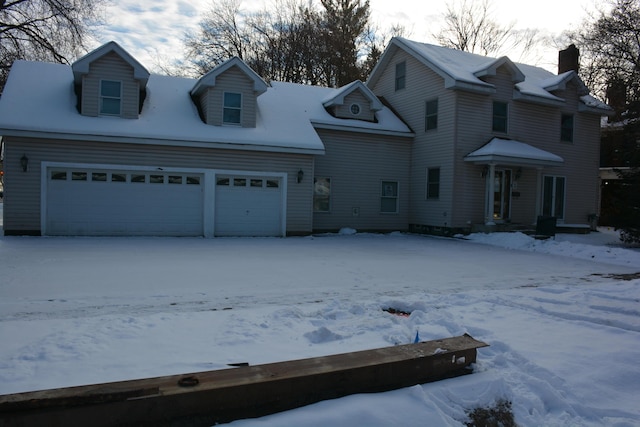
427 195
553 201
384 195
427 115
102 97
225 107
506 116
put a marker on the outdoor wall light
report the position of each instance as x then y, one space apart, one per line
24 162
300 176
518 173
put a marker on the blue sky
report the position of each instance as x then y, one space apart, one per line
153 31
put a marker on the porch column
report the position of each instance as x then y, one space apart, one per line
491 196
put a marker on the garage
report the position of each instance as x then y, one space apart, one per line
94 202
247 205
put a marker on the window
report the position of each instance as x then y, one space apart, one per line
138 178
78 176
118 177
355 109
500 116
255 182
566 128
156 179
431 115
110 97
175 179
58 175
389 197
401 75
553 196
99 176
232 108
433 183
321 194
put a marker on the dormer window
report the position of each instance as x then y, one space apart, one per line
355 109
232 108
110 97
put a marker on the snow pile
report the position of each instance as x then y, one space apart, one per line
560 246
563 328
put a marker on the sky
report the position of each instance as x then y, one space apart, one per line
153 31
560 316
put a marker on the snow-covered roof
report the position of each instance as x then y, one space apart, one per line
462 70
33 105
508 151
209 79
81 66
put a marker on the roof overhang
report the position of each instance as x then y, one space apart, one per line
317 124
247 145
510 152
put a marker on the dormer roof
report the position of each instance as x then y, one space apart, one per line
209 79
339 97
81 66
490 68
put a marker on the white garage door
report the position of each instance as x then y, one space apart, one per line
85 202
248 206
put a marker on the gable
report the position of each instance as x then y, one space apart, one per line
110 68
353 101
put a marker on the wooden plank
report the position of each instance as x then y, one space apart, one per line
206 398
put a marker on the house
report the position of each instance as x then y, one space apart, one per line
436 140
104 148
495 142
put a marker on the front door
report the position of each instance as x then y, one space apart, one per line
502 195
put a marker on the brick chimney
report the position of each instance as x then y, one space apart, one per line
568 59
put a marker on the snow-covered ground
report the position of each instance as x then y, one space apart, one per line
562 317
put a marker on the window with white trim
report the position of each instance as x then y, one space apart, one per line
232 108
389 197
566 128
110 97
553 196
500 116
431 115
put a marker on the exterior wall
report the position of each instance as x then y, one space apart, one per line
355 97
431 149
110 67
465 124
232 80
357 163
22 189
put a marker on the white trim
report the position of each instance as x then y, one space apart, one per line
350 128
240 146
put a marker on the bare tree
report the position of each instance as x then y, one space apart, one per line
45 30
470 26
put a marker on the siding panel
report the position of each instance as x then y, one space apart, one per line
110 67
23 189
357 164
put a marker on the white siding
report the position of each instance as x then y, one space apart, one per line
110 67
357 164
22 202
